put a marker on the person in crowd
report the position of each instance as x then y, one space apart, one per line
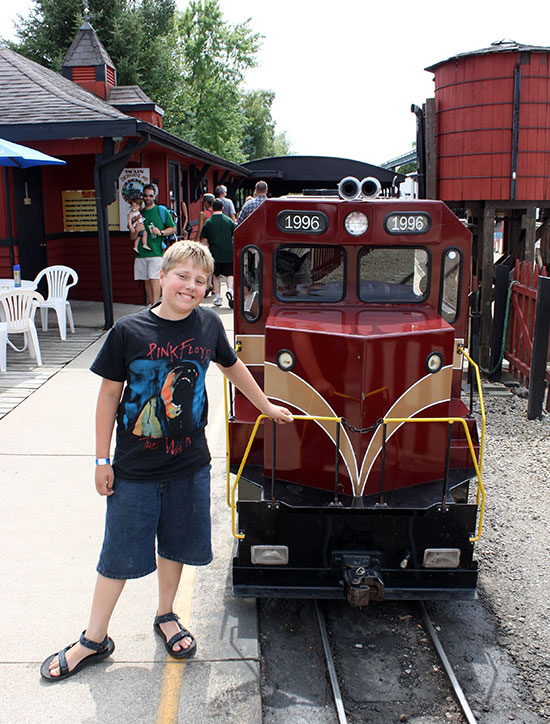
260 195
220 192
148 262
205 214
185 227
217 233
135 223
158 485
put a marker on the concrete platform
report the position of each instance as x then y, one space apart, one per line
52 525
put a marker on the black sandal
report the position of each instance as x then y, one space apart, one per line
102 651
182 634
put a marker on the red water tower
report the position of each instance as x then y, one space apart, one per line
493 124
485 141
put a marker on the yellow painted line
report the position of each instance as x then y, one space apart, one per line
172 679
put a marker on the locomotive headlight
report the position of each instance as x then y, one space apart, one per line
285 360
356 223
269 555
441 558
434 362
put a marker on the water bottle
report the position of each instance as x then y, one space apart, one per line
17 275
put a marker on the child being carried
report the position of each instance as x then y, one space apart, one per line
135 224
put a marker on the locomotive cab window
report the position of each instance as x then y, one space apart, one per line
251 276
394 274
309 273
451 273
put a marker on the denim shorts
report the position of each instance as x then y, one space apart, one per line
175 512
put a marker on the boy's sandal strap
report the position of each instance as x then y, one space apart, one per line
62 660
93 645
167 617
183 634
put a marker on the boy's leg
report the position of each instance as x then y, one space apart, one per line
187 499
106 595
169 574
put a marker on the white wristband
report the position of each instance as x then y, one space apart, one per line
103 461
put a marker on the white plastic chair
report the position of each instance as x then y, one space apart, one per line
3 345
18 308
60 279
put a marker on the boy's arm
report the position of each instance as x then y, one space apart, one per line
107 405
239 375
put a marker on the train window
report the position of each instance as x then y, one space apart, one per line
451 273
309 273
394 274
251 283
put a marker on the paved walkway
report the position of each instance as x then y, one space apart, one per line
52 521
23 376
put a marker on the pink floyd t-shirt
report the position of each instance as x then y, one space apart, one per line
164 408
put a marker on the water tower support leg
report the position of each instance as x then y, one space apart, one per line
486 293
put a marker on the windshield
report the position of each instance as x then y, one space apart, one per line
309 273
394 274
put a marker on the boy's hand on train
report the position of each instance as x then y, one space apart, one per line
279 414
104 479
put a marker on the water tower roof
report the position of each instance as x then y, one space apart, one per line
499 46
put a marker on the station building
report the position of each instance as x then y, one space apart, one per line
75 214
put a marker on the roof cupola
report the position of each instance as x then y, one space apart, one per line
88 63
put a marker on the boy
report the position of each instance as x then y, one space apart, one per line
136 224
160 475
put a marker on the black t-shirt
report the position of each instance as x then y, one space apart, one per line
164 407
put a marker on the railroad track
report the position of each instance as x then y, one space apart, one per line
429 628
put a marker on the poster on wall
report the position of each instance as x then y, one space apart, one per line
130 182
79 211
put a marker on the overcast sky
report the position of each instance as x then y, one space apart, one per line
346 72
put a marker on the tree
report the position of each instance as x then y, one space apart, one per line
47 33
214 55
259 139
191 63
408 168
138 35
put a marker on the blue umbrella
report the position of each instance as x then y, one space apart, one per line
12 154
17 156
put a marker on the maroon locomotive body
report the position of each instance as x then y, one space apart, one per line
352 313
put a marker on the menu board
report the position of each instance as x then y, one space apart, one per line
79 211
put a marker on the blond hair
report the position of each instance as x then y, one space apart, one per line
181 251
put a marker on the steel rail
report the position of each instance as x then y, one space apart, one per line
342 719
463 702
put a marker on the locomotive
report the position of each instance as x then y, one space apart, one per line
352 311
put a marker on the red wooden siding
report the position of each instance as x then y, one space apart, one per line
474 103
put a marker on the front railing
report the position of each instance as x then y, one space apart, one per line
477 462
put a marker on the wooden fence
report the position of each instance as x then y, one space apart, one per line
521 323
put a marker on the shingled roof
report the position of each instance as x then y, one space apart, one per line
128 98
30 92
87 49
38 104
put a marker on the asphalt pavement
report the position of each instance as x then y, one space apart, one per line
51 520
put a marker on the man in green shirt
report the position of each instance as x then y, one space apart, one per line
147 264
217 232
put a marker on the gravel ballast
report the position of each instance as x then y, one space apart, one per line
514 550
